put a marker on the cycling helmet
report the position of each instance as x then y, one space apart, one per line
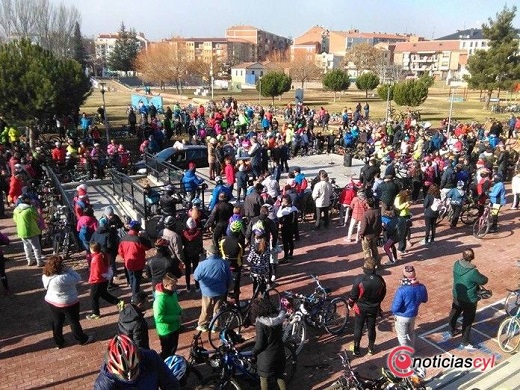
460 184
161 242
236 226
122 358
178 366
259 232
169 221
218 180
134 225
196 202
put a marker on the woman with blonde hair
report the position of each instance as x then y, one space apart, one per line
402 205
62 298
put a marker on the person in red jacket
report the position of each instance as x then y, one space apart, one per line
59 153
100 275
132 249
15 188
345 199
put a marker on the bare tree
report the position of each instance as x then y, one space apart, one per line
51 26
365 57
302 68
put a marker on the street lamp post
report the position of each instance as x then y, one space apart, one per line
211 78
259 90
105 120
388 100
451 109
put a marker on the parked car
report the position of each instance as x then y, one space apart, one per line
179 157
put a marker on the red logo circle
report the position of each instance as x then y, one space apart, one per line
399 361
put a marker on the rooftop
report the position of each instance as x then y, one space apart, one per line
436 45
470 33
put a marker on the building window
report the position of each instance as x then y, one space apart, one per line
463 44
483 44
261 73
471 44
252 72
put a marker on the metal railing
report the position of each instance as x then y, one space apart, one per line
163 171
66 201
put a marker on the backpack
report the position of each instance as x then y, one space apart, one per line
300 188
436 205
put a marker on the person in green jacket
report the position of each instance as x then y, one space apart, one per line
26 219
167 315
466 282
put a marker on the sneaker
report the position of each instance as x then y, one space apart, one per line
424 242
61 346
203 328
215 329
121 305
388 263
41 265
355 351
469 347
31 264
402 252
283 261
371 351
93 317
89 339
273 278
454 332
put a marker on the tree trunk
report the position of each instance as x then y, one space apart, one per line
334 96
273 99
303 81
488 98
366 93
498 94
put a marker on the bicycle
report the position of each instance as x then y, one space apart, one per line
62 240
352 380
445 211
234 316
238 365
508 335
470 212
317 310
512 302
483 223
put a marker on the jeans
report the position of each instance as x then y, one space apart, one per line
191 263
169 344
58 318
99 290
468 310
429 227
288 244
134 278
31 247
390 250
368 318
405 329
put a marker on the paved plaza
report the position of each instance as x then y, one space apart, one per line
29 360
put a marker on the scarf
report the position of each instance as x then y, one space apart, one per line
408 281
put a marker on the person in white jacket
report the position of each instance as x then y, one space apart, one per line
321 194
515 188
62 299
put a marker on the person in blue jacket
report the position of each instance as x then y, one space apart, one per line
220 187
497 197
191 181
405 306
129 367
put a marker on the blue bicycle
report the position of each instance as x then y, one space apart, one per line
235 368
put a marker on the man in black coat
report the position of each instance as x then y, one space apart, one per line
132 323
387 191
368 291
219 217
253 202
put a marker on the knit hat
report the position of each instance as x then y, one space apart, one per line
109 211
191 223
409 272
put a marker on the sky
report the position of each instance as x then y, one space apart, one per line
159 19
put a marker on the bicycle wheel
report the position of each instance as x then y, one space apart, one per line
481 227
295 331
469 214
56 243
509 335
336 315
274 298
442 214
220 383
512 303
226 319
66 244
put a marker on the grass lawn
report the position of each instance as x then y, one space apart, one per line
434 109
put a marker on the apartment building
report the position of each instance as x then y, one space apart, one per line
437 58
226 51
265 42
104 44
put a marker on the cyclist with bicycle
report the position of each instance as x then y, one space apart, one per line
497 198
456 197
259 257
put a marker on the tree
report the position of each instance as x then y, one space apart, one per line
336 80
274 84
37 84
125 50
164 62
499 67
203 69
302 68
410 93
427 80
51 26
367 82
386 91
79 53
364 56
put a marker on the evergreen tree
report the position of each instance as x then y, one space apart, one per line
386 91
125 50
410 93
79 52
274 84
498 67
336 80
367 82
36 84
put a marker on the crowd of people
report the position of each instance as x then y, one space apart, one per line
254 218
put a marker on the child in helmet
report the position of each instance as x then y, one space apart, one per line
456 197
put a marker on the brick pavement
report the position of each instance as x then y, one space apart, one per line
29 360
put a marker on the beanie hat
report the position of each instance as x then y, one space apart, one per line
409 272
191 223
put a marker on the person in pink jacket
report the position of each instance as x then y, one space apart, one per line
359 206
